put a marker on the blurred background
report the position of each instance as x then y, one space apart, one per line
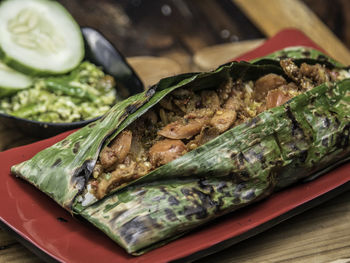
146 27
189 35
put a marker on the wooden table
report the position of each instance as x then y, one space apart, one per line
321 234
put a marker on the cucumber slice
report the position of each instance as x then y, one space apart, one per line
39 37
12 81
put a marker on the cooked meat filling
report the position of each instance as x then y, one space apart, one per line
185 119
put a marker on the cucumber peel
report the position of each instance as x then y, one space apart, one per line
12 81
39 37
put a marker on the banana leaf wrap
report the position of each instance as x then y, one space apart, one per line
300 139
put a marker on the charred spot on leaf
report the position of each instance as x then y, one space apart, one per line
64 142
342 140
197 210
239 187
57 163
164 190
115 215
103 117
134 229
317 114
326 122
123 116
283 56
141 192
295 124
325 141
322 57
253 122
233 155
200 150
335 117
158 198
130 109
252 155
250 195
221 186
61 219
81 175
186 191
244 175
306 53
236 201
150 92
312 99
241 158
92 124
219 205
303 156
260 156
173 200
170 215
205 185
205 199
76 147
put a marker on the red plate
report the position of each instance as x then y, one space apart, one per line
52 233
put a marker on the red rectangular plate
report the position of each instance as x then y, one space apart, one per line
54 234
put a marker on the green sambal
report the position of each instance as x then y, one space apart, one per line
87 92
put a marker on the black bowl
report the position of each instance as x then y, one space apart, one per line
102 53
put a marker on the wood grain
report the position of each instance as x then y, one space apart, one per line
321 234
211 57
13 252
152 69
274 15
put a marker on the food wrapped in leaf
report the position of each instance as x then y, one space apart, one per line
199 145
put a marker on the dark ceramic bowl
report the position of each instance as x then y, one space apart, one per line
102 53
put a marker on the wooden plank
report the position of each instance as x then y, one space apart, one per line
211 57
13 252
152 69
274 15
321 234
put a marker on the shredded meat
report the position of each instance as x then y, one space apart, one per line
223 119
316 73
291 69
183 129
276 98
206 135
165 151
117 151
266 83
186 119
210 99
307 76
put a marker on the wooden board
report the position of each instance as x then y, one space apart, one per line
274 15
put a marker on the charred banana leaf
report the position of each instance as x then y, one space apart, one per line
246 164
62 170
280 146
299 55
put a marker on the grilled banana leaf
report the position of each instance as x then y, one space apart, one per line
277 148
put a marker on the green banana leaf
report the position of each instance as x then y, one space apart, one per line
299 54
297 140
